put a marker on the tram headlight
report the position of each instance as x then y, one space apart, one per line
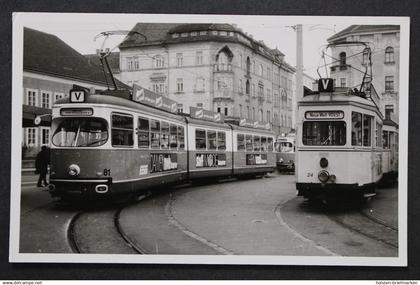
323 162
73 170
323 176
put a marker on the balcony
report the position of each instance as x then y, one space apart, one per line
221 67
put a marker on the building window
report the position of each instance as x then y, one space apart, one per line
223 62
240 86
389 55
247 87
268 116
260 90
268 73
253 113
31 135
219 109
58 96
199 105
226 111
175 35
269 95
31 96
45 136
194 34
342 58
199 84
240 110
342 82
184 35
133 63
179 59
158 87
199 58
203 33
159 61
180 108
179 85
253 90
248 65
45 99
260 115
389 83
365 56
240 60
389 109
261 70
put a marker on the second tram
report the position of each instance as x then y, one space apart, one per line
344 145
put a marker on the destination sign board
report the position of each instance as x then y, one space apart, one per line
316 115
199 113
76 112
152 99
254 124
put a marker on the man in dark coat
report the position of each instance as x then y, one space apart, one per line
41 165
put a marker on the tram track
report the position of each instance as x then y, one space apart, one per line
367 226
103 234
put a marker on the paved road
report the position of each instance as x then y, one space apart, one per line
257 216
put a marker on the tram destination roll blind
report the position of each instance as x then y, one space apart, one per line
316 115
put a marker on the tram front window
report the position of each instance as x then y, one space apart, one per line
79 132
324 133
286 147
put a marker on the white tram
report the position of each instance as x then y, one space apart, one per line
344 145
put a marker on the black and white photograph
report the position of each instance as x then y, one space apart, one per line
209 139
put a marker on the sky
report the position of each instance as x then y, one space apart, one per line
79 30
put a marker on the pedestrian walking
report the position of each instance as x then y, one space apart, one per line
41 165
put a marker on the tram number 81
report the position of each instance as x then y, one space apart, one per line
107 172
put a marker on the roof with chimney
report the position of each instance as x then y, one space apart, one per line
47 54
363 29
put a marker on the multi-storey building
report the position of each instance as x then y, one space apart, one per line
350 59
212 66
50 69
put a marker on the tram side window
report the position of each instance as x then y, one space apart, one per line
324 133
221 140
361 129
164 140
240 138
263 143
200 139
248 141
270 144
173 143
211 138
378 135
256 142
122 130
143 137
181 136
155 133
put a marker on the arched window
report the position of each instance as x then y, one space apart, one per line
247 91
248 65
260 115
389 55
366 56
261 70
224 59
342 58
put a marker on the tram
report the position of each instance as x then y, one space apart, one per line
120 142
285 147
344 145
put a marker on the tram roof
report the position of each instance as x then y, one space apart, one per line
251 130
336 97
123 101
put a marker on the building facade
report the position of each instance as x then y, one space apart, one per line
50 69
350 60
212 66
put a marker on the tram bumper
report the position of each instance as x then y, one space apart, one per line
86 187
323 190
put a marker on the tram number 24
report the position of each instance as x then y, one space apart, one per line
310 174
107 172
